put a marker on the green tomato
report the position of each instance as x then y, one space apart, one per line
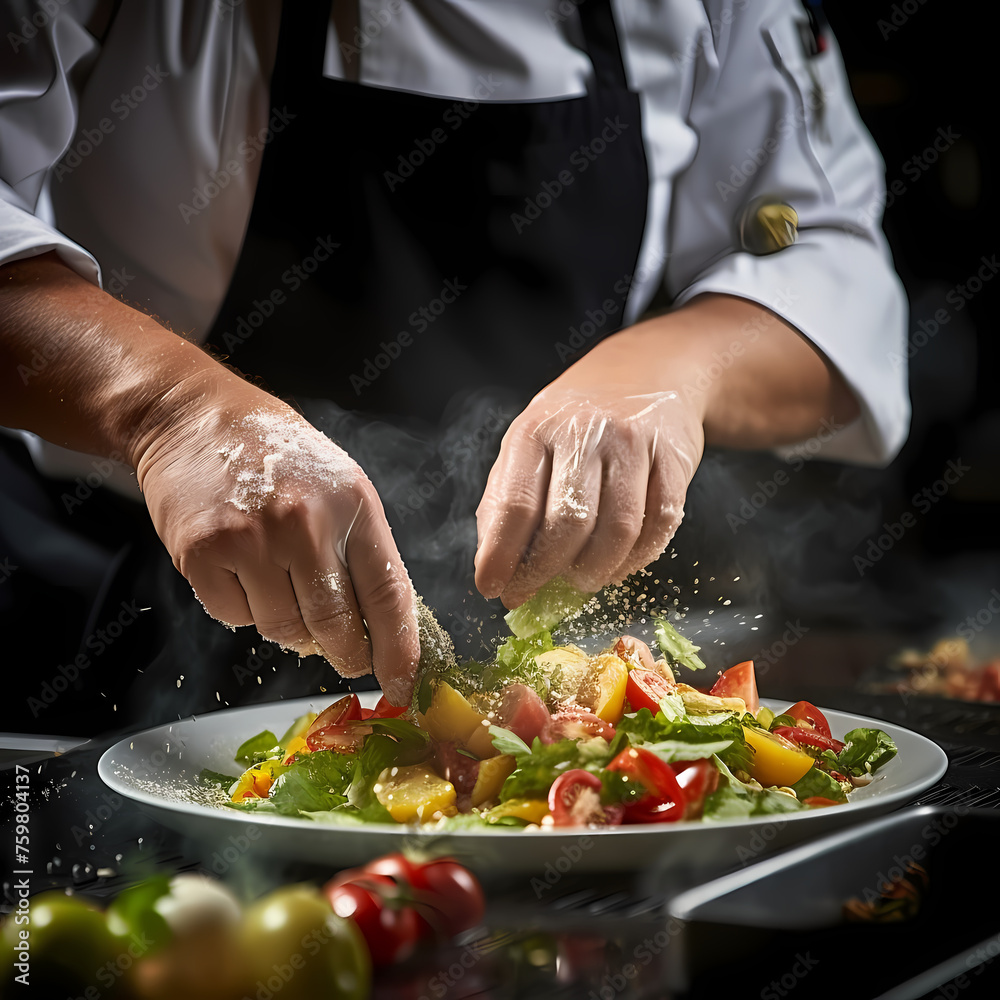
69 946
295 943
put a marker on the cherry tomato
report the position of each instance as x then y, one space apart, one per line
344 738
375 904
738 682
575 798
346 709
801 736
698 778
664 800
574 723
447 897
386 710
805 711
645 688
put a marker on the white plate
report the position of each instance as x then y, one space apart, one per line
158 769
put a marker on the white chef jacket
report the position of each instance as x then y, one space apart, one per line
134 151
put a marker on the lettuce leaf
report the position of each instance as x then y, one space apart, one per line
313 782
866 751
817 782
257 748
645 729
675 647
536 771
554 603
734 800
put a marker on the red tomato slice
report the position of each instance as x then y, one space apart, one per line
820 800
346 738
347 709
386 710
574 723
738 682
698 778
575 799
664 800
645 688
800 736
805 711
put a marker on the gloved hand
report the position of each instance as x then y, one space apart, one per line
274 525
589 484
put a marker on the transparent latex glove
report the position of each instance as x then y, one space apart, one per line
589 485
274 525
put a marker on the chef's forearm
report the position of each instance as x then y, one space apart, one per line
86 371
754 380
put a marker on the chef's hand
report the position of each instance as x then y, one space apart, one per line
274 525
589 485
591 477
271 523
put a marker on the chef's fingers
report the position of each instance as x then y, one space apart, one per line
571 513
326 600
511 510
385 597
274 605
664 511
220 592
619 524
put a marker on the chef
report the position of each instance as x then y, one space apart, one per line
649 223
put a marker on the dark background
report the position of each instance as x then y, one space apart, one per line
912 74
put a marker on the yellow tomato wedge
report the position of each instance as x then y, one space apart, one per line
451 719
612 679
776 761
492 774
297 745
530 810
415 792
256 782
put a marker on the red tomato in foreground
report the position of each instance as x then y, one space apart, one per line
664 800
645 688
806 711
389 927
446 896
738 682
801 736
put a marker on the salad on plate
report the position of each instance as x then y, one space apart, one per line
547 734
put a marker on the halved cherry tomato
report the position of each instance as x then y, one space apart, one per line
386 710
801 736
645 688
575 800
698 778
345 738
574 723
374 903
738 682
346 709
664 800
806 711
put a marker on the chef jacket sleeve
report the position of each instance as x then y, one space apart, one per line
47 50
773 120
